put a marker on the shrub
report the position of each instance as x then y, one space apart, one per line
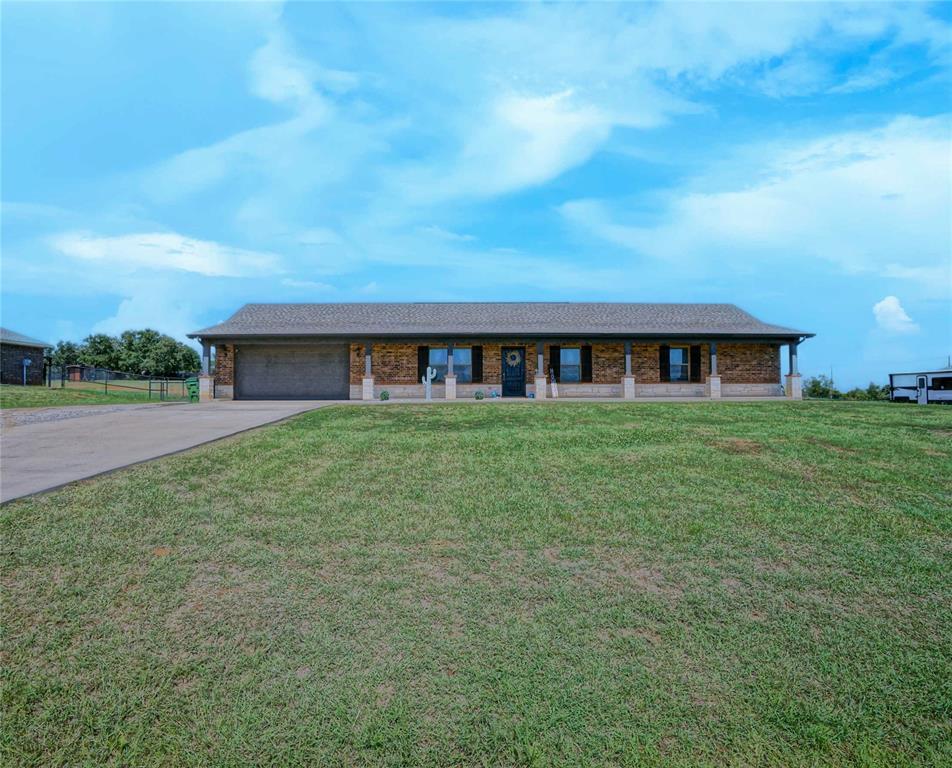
820 387
385 395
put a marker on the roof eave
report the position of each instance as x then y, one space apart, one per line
785 335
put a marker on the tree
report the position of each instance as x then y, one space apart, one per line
155 354
66 353
100 351
873 392
144 352
820 387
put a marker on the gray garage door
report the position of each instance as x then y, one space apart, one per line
315 372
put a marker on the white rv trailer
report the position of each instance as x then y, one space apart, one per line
923 388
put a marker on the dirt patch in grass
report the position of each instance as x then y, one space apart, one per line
614 569
738 445
828 445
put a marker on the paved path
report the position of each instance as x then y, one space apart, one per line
44 448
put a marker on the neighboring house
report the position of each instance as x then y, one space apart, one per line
923 387
354 351
15 348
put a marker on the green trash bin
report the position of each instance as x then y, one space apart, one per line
191 386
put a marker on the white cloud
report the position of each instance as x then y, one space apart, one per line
892 318
445 234
310 285
864 200
319 236
165 251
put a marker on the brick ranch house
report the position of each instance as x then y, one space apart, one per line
15 348
355 351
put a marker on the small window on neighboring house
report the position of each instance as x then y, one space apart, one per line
680 364
570 364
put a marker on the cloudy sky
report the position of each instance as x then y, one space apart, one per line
163 164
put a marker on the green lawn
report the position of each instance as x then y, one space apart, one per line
496 584
13 396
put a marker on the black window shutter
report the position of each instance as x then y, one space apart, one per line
477 359
422 361
586 363
555 361
664 362
695 362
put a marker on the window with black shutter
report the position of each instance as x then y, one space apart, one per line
696 362
664 362
477 365
586 363
423 360
555 361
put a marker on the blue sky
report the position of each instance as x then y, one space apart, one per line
163 164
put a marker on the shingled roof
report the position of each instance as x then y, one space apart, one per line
462 319
12 337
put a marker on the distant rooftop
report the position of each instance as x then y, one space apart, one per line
12 337
495 319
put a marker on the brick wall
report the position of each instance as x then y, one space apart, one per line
397 363
11 364
748 363
225 364
737 363
608 363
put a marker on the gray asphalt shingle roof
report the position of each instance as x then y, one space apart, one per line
493 318
12 337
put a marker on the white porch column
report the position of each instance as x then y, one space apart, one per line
367 385
628 380
714 380
540 392
793 385
450 374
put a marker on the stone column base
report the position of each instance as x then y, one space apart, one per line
713 387
450 387
540 387
206 388
367 388
793 386
628 387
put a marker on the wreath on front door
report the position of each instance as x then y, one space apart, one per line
513 358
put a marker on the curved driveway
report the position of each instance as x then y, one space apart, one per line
43 448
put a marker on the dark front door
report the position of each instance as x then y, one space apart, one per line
513 371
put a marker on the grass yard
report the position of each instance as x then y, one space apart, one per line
496 584
14 396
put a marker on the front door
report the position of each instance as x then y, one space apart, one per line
513 371
922 390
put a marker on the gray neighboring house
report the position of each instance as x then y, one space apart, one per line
15 348
513 349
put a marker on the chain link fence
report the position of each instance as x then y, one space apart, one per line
103 380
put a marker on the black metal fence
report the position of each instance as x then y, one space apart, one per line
85 377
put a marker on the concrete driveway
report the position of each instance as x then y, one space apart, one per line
44 448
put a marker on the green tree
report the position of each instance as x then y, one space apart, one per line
873 392
66 353
100 350
143 351
149 352
820 387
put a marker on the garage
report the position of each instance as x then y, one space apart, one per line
306 372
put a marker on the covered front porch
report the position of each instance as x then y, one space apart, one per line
573 369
